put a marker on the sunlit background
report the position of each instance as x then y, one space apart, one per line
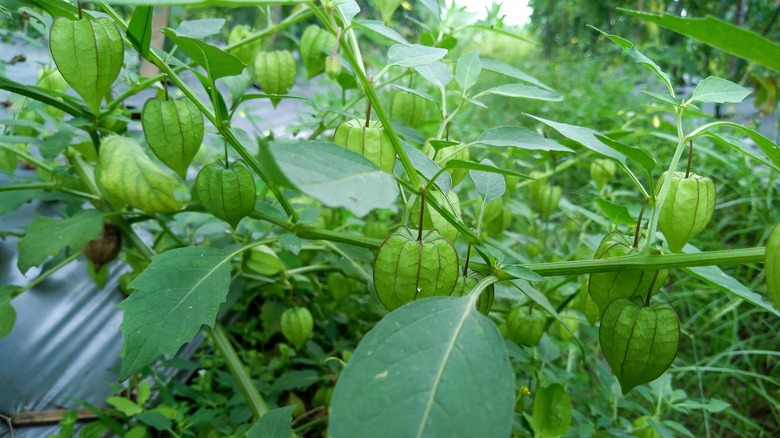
517 12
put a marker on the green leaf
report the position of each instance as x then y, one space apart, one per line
180 291
521 273
428 168
139 30
434 367
11 200
521 138
489 185
217 62
628 46
154 419
722 35
379 28
127 174
296 379
387 8
467 70
273 424
125 406
200 29
617 213
718 90
639 342
513 72
7 319
551 412
47 237
584 136
524 91
736 143
436 73
334 175
714 276
89 54
348 8
414 55
767 146
637 155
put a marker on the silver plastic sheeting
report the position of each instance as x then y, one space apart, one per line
65 345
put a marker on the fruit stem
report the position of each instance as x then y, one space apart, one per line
690 156
81 16
466 263
368 113
650 291
447 132
422 213
338 40
224 141
639 223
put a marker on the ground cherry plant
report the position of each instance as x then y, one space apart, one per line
381 245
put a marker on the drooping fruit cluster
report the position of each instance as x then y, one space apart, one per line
408 269
466 284
369 141
687 209
525 325
602 171
247 52
316 44
105 248
632 284
433 219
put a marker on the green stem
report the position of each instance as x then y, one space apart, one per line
641 261
651 230
27 157
352 54
38 280
236 368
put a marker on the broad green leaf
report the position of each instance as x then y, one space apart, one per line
524 91
637 155
513 72
334 175
722 35
663 98
180 291
217 62
628 46
503 32
584 136
489 185
348 9
428 168
11 200
433 7
617 213
521 273
551 412
414 55
436 73
89 54
736 143
47 237
434 367
155 419
8 292
379 28
718 90
200 29
714 276
467 70
639 342
127 174
296 379
7 319
273 424
139 30
521 138
767 146
125 406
